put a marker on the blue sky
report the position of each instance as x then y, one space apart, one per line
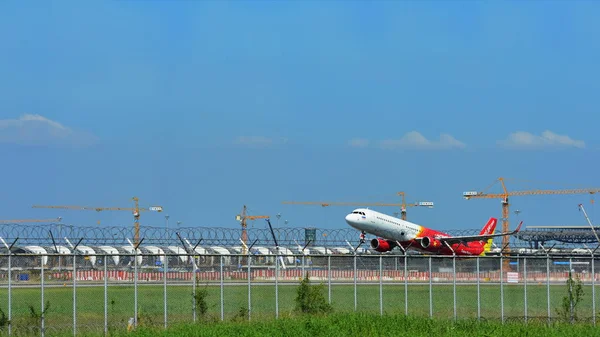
202 107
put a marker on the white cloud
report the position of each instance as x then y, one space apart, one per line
38 130
526 140
358 142
415 140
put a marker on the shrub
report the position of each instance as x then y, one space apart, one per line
310 298
200 299
567 311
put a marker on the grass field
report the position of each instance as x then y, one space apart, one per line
90 303
368 324
358 324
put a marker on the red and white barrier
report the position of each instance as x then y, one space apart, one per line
316 275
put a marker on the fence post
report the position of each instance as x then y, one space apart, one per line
105 296
249 287
478 291
9 293
454 283
165 268
548 285
9 249
194 285
277 283
135 291
355 300
525 286
329 278
43 323
74 292
593 292
430 291
221 285
381 285
501 287
405 284
571 314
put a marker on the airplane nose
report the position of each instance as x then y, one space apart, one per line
349 218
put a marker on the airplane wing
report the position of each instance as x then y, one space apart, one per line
467 238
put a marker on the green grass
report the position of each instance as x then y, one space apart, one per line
90 305
369 324
360 324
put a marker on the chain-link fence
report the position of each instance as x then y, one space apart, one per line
40 295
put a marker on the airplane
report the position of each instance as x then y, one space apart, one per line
394 232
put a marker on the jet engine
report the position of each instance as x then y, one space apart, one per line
428 242
382 245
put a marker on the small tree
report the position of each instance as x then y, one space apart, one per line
34 316
569 303
200 299
310 298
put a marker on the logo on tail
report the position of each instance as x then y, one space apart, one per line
489 228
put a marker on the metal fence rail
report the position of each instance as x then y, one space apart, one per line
45 293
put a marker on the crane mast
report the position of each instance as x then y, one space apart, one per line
242 218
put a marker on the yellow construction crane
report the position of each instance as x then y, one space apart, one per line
428 204
31 220
243 218
505 205
136 213
402 205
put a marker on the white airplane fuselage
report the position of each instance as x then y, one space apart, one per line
393 232
383 225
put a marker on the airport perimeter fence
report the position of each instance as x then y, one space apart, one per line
40 296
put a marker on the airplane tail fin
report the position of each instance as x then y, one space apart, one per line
490 227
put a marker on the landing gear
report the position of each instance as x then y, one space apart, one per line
362 240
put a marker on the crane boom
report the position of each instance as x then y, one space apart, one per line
532 192
505 204
136 212
333 203
402 205
99 209
31 220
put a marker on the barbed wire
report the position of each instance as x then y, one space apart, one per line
220 236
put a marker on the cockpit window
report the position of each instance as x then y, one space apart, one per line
356 212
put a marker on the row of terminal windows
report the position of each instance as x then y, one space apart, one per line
386 220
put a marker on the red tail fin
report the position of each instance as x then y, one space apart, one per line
489 227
